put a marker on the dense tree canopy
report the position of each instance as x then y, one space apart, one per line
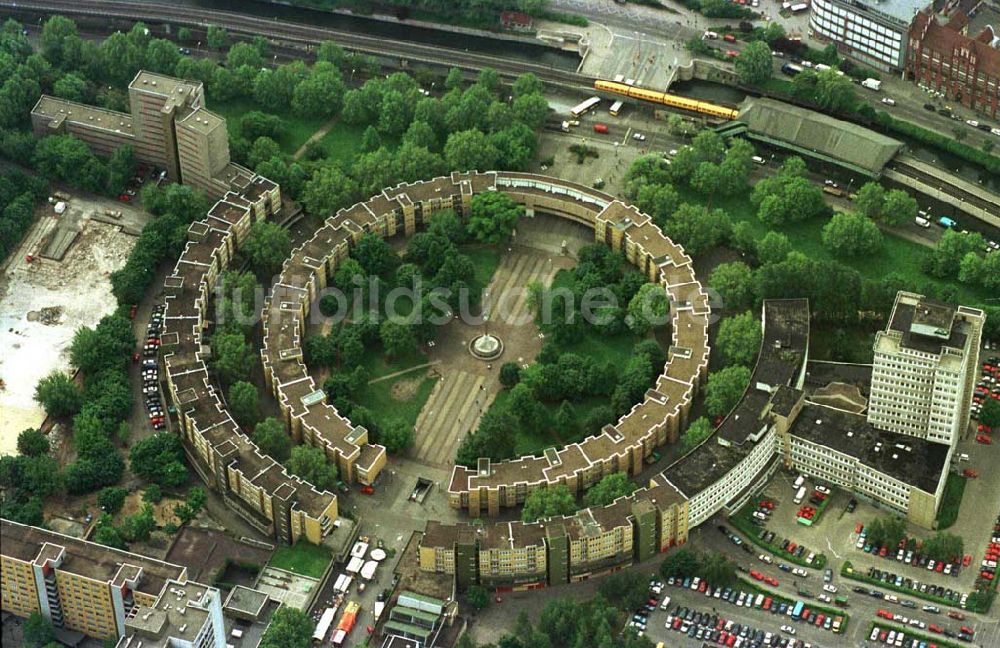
547 502
739 338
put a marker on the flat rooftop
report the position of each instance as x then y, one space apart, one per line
77 113
909 459
85 558
901 10
917 321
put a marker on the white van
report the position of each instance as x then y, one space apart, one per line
711 35
921 221
963 457
757 159
801 479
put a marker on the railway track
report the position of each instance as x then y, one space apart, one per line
158 13
990 204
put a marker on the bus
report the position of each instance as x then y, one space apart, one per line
799 495
615 108
584 107
325 621
796 8
797 610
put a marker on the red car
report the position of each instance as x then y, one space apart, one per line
859 527
966 560
970 473
885 614
956 615
882 552
729 38
367 490
756 575
935 628
125 198
732 53
982 438
984 428
771 580
988 576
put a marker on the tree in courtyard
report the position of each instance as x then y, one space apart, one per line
699 430
850 234
493 217
58 395
739 338
112 498
610 488
267 247
244 403
233 357
734 283
681 563
510 374
479 596
310 464
71 86
944 546
271 438
397 338
660 201
32 443
547 502
471 150
397 436
289 628
375 255
649 308
160 459
754 64
724 389
887 530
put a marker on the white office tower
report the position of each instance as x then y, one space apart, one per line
925 368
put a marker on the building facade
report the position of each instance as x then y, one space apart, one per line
925 369
872 32
943 57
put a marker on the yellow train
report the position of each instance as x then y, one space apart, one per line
674 101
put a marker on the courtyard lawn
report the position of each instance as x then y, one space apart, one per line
297 129
378 365
897 255
379 400
485 259
951 501
303 558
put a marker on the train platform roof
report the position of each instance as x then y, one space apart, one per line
816 135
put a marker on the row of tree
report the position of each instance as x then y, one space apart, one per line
18 195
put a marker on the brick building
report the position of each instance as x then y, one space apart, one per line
944 57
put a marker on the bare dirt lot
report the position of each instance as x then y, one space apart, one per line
43 301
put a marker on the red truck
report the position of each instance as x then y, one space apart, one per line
600 128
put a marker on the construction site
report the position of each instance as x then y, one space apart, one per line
57 281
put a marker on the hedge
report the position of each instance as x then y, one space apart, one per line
944 142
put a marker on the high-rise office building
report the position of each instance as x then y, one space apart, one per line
925 369
871 31
167 126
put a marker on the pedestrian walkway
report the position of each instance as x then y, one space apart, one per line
451 412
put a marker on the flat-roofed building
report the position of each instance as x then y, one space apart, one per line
871 31
77 585
167 126
185 614
925 369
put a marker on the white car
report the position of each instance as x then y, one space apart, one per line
798 571
788 629
765 559
827 587
972 122
639 137
757 159
672 152
824 598
889 102
823 489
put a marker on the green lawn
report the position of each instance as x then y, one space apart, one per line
485 259
951 501
303 558
297 129
378 399
342 143
897 255
377 364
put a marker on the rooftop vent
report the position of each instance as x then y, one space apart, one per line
849 434
895 456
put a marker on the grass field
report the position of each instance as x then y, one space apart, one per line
297 129
951 501
378 399
342 143
303 558
897 255
485 259
377 364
